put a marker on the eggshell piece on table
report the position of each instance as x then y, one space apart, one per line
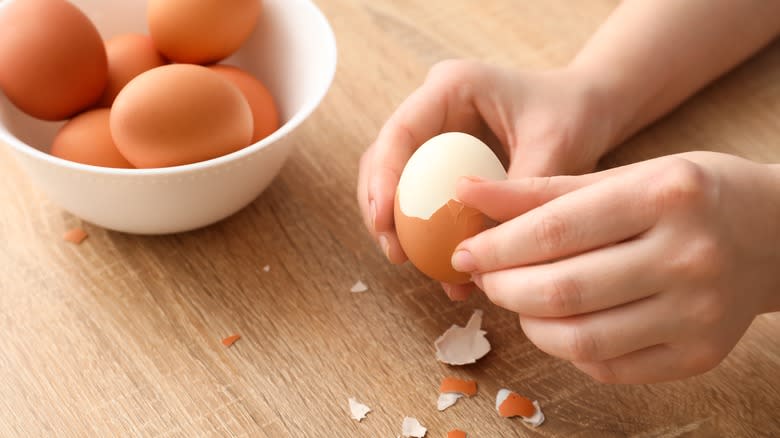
456 385
463 345
52 59
87 139
179 114
511 404
264 112
75 235
456 433
429 220
129 55
201 31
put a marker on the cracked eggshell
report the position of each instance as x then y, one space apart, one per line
429 220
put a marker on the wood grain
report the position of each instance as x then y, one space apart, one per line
121 336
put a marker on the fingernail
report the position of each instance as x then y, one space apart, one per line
372 213
474 179
385 244
463 261
447 290
477 279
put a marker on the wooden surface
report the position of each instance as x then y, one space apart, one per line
121 336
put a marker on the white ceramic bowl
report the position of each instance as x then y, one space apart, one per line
293 51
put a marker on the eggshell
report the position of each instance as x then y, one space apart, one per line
201 31
87 139
264 112
429 220
179 114
52 60
129 55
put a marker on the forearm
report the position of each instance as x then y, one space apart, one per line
649 56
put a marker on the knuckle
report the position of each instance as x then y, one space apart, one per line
682 183
581 346
562 296
707 311
551 233
702 257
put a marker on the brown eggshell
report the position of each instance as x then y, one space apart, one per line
201 31
52 60
264 110
129 55
87 139
430 243
179 114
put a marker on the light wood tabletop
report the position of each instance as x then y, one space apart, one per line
121 335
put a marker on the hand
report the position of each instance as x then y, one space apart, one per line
639 274
547 123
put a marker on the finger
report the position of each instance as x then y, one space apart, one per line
658 363
608 211
605 334
458 292
592 281
504 200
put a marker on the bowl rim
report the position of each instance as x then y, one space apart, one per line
298 117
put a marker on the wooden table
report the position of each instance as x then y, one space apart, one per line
121 335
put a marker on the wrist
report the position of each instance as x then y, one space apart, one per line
609 99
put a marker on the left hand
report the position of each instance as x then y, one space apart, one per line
639 274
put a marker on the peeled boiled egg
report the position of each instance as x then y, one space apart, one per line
52 60
429 219
129 55
87 139
264 111
201 31
179 114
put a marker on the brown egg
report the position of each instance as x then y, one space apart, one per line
429 243
179 114
87 139
264 111
201 31
53 63
429 220
129 55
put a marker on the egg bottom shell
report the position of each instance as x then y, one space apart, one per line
430 243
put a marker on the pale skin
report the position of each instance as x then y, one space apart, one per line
639 274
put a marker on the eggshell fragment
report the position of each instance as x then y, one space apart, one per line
52 60
463 345
454 384
429 219
264 112
447 400
359 287
511 404
230 340
201 31
87 139
358 411
129 55
456 433
410 427
75 235
179 114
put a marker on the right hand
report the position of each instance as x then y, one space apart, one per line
547 123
